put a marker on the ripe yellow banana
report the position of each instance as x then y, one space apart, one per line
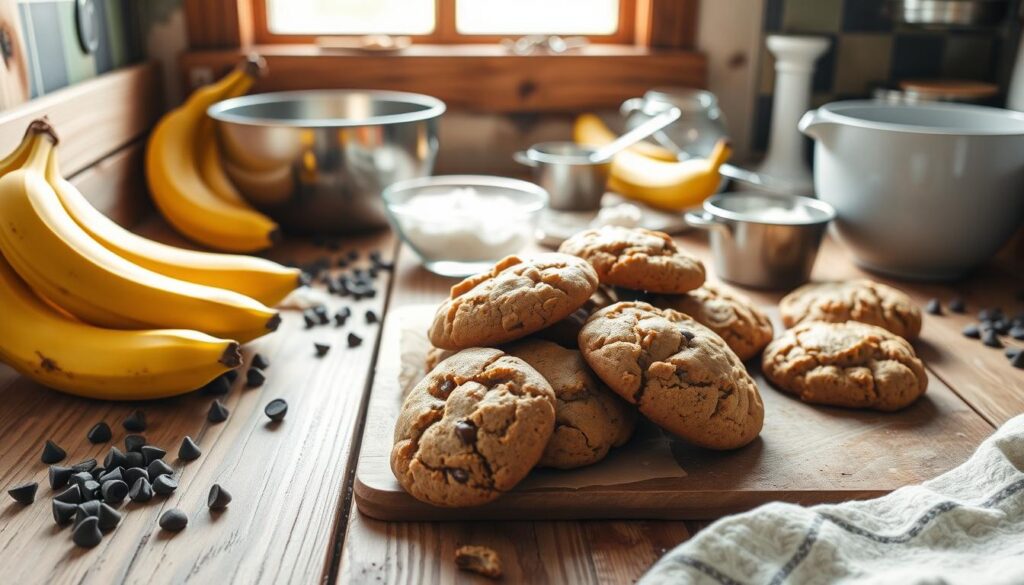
263 280
62 263
657 182
101 363
179 191
208 159
591 131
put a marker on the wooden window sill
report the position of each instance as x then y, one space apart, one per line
472 77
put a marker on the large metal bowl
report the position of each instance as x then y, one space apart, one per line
317 161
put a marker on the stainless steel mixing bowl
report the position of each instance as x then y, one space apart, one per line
317 161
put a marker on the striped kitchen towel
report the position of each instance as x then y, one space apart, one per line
965 527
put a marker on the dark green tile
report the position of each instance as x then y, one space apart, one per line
822 16
969 57
862 62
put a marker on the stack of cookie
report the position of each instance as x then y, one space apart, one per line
536 364
848 346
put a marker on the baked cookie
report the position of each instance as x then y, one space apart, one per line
731 315
679 373
637 259
472 428
589 418
478 559
435 356
566 331
845 364
516 298
853 300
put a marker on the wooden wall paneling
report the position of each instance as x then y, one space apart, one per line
94 118
219 24
667 24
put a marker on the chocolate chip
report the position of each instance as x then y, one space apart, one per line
1018 360
141 491
24 493
310 319
90 489
218 413
466 431
460 475
164 485
1011 352
371 317
80 478
254 377
991 338
135 459
322 349
113 474
115 458
218 386
259 361
1017 332
134 443
218 499
340 319
133 475
151 453
321 314
689 335
189 451
114 491
136 422
85 510
108 517
173 520
354 340
72 495
230 376
99 433
63 512
276 409
1002 326
972 331
934 307
957 305
446 387
85 465
52 453
59 476
87 533
157 468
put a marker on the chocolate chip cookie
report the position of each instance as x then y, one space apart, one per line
731 315
472 429
589 418
679 373
519 296
853 300
846 364
637 259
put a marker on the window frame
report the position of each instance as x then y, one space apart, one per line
445 32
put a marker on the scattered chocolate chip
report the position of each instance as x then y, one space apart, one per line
164 485
135 459
460 475
218 413
87 533
157 468
991 338
99 433
141 491
340 319
63 512
689 335
1017 332
52 453
99 471
24 493
466 431
957 305
134 443
1018 360
113 474
189 451
218 386
231 376
254 377
322 349
934 307
276 409
115 458
72 495
259 361
133 474
354 340
321 314
1002 326
310 318
108 517
1010 352
151 453
114 491
173 520
90 509
59 476
333 287
136 422
80 478
90 489
972 331
219 498
371 317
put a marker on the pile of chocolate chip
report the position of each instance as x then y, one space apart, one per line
993 324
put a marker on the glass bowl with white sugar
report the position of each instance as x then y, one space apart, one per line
462 224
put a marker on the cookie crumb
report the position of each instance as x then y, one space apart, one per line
479 559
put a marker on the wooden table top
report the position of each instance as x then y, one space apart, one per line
292 518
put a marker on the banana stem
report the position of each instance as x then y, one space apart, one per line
43 141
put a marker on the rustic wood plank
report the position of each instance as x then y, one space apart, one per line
116 185
93 118
288 480
482 78
668 24
219 24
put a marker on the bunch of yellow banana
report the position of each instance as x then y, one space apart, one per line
651 174
93 309
186 177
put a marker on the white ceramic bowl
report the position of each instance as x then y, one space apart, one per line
923 191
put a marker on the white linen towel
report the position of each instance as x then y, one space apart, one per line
965 527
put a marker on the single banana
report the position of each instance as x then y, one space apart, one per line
590 130
208 159
108 364
179 191
62 263
263 280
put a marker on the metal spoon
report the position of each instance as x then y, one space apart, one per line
635 135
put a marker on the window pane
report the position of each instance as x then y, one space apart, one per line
354 17
520 17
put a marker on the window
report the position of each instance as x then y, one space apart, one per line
445 21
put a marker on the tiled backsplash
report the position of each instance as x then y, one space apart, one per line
868 50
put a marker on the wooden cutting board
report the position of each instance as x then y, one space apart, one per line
805 454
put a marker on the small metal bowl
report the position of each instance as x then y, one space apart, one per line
565 171
317 161
763 240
